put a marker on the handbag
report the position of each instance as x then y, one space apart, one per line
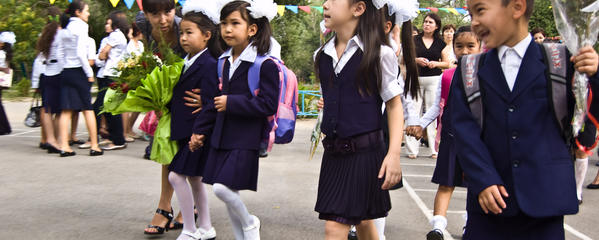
6 79
33 117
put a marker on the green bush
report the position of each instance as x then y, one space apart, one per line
23 87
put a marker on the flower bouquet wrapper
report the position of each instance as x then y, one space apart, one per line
154 93
577 22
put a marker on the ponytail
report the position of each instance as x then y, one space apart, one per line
411 85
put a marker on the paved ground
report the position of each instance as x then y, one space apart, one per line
114 196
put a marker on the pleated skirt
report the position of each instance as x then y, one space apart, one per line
236 169
189 163
75 91
349 189
50 91
448 171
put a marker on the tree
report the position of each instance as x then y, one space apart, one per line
542 17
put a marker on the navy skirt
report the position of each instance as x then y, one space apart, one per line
50 90
75 91
349 189
237 169
519 227
448 171
189 163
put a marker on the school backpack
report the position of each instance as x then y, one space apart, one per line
554 57
281 126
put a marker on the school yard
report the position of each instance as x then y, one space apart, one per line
115 195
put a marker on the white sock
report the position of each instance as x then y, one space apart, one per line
581 172
234 203
379 223
236 224
201 202
185 197
439 222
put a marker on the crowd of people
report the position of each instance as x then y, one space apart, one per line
477 95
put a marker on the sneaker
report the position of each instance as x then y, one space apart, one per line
435 234
206 235
113 147
252 232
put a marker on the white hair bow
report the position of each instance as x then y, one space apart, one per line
208 8
8 37
262 8
404 10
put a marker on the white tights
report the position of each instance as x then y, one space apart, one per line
186 196
238 213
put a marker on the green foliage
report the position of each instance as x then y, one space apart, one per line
446 18
542 17
23 87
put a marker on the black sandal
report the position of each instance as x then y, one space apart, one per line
159 229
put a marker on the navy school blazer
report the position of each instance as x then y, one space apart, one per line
520 146
241 125
201 74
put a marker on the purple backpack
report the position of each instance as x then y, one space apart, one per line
281 126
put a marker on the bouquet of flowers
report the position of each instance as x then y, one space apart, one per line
146 84
578 23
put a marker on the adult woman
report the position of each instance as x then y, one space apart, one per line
77 78
448 31
158 23
6 40
432 57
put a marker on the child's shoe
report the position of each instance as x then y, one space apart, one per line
252 232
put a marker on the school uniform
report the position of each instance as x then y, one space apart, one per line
519 147
75 87
238 131
50 74
198 72
4 124
349 189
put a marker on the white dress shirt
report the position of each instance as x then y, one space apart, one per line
118 43
187 62
101 63
3 63
249 54
55 61
37 70
91 49
390 85
75 46
511 59
133 49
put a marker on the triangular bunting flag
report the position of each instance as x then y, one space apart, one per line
454 11
292 8
461 10
318 8
281 10
176 1
433 9
70 1
129 3
52 1
139 5
305 8
182 2
114 2
444 10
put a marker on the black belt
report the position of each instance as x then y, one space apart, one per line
49 61
360 143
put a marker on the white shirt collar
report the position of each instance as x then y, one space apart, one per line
249 54
329 48
519 48
189 62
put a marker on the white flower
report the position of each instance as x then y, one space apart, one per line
158 60
404 10
263 8
8 37
208 8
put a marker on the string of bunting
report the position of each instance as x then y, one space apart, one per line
281 9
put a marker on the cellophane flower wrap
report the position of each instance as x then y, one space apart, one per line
578 24
152 93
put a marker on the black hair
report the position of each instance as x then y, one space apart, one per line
49 32
462 30
206 25
157 6
119 21
408 47
135 30
530 5
438 22
538 30
74 6
8 50
262 38
414 28
371 32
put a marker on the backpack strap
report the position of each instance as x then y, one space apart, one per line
472 89
254 74
555 58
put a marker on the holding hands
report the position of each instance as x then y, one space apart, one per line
220 103
193 100
196 142
414 131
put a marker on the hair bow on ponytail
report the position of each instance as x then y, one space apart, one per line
262 8
54 18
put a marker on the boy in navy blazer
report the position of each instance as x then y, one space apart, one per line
519 171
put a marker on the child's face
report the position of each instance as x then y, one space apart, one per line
494 23
192 39
339 12
465 44
108 26
235 31
539 38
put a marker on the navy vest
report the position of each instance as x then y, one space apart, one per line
346 112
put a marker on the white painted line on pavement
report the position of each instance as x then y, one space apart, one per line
435 190
419 164
17 134
574 232
427 213
417 175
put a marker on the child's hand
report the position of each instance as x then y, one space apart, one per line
193 100
414 131
220 103
196 142
391 169
586 61
320 104
491 199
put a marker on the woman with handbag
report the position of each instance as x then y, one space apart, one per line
7 39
